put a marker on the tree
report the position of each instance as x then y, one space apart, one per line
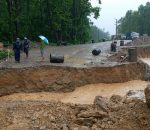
58 20
136 21
98 34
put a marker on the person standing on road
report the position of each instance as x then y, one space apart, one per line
113 46
26 45
17 48
42 46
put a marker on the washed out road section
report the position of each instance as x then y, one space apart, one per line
82 95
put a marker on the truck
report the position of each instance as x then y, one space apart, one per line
131 35
134 35
128 36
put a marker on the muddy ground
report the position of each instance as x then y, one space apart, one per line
38 95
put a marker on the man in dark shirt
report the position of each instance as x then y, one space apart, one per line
26 43
17 48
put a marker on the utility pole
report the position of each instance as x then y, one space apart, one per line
116 23
98 36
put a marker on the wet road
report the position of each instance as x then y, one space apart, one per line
75 55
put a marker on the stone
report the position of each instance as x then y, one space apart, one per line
43 128
65 127
27 116
52 119
116 99
84 128
101 103
139 94
94 114
94 127
85 122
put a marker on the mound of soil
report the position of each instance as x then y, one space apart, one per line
121 114
139 41
120 56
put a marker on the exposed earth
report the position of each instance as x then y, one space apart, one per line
85 93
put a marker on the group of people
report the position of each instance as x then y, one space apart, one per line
24 46
18 46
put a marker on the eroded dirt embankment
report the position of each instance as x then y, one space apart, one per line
65 79
143 52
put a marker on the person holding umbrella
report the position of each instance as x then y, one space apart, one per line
44 41
42 46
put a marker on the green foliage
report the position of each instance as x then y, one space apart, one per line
4 54
136 21
65 20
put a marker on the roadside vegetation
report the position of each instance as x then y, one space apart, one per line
99 35
58 20
4 54
136 21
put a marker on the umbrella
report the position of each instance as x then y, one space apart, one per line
44 39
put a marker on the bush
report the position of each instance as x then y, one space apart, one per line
4 54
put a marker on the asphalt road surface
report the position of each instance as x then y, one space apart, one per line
75 55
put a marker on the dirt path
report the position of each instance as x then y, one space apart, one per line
82 95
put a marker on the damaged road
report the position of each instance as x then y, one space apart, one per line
84 93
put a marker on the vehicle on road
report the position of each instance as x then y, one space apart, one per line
134 35
131 35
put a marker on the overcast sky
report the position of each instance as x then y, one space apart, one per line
111 9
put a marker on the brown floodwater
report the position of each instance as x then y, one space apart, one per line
146 60
82 95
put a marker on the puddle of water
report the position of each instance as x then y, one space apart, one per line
82 95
